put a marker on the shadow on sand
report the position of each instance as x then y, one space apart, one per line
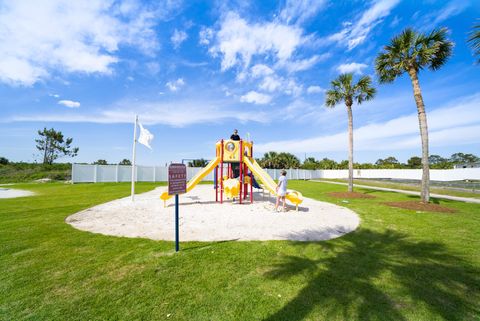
186 200
349 283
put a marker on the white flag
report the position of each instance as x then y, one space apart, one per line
145 136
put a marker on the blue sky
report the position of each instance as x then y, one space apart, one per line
194 70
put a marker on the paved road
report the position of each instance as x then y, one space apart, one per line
447 197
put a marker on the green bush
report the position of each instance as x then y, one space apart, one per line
25 172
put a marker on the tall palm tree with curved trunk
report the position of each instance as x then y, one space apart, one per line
474 40
343 89
410 52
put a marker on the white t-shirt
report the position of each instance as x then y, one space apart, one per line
282 188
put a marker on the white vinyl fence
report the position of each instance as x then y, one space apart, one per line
121 173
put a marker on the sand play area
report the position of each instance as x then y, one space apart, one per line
202 219
13 193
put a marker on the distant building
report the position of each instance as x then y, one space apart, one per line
467 165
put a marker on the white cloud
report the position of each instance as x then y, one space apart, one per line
205 36
255 98
43 37
165 10
178 37
261 70
153 67
447 11
298 11
273 83
356 33
456 123
193 64
452 9
175 85
292 88
179 113
299 110
54 95
396 20
351 67
352 43
303 64
315 90
69 103
270 83
238 41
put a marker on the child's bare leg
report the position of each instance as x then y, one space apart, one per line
277 202
284 205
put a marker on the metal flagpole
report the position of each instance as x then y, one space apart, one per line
133 157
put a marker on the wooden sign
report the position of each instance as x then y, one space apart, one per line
177 179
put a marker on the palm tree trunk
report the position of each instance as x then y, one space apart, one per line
350 148
422 120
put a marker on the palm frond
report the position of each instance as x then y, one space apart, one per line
388 67
333 97
346 80
411 49
407 40
438 47
474 40
340 90
343 89
363 90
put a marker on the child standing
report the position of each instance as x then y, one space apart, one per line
281 190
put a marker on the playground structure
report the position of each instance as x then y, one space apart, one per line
240 172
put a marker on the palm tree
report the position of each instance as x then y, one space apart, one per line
475 40
410 52
344 90
287 160
270 160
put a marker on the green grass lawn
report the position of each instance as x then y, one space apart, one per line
409 187
399 265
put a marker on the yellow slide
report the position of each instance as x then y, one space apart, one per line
197 178
293 196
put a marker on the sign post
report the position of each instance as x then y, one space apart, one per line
177 236
177 184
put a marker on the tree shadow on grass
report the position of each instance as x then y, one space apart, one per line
349 283
370 191
206 245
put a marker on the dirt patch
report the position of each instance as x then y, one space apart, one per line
349 195
423 207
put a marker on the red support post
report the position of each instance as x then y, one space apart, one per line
241 173
245 185
221 174
251 177
216 183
